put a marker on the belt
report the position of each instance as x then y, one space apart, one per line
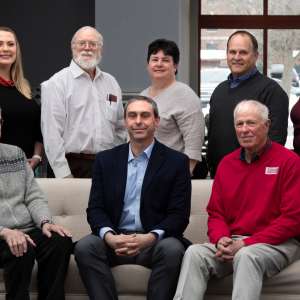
81 156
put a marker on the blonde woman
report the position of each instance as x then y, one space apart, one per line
21 114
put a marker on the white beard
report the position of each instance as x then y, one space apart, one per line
89 64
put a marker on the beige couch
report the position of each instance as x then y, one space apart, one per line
68 200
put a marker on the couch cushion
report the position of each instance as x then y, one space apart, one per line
131 279
197 229
68 200
73 283
135 283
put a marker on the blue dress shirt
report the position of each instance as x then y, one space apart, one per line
235 81
130 218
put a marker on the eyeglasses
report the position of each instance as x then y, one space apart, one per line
90 44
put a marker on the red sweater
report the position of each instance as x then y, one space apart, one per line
260 200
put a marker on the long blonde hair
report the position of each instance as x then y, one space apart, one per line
16 70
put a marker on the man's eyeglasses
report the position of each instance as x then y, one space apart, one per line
90 44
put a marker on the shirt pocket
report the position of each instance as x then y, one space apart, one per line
111 111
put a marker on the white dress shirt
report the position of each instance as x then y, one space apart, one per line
78 115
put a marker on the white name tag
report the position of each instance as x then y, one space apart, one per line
271 170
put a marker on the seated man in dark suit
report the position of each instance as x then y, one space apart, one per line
138 209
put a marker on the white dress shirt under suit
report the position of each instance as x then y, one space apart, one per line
80 115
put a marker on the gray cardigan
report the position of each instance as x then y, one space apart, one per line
22 203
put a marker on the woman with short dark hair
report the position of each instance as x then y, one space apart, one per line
181 119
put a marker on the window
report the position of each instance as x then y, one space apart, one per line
230 7
277 28
212 45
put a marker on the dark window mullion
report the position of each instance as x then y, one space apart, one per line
265 51
266 7
250 22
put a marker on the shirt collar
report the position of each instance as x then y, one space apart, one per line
147 152
256 156
77 71
234 81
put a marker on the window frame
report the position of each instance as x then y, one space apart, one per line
263 22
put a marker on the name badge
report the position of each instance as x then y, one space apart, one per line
271 170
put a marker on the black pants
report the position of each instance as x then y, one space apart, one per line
94 259
81 168
52 255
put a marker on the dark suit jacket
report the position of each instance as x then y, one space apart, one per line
165 196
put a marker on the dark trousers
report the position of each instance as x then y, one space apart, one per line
52 255
94 259
80 167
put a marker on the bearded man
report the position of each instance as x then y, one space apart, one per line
82 110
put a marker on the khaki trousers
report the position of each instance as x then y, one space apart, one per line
249 266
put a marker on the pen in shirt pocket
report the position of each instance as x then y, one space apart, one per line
111 98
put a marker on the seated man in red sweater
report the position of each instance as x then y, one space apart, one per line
254 213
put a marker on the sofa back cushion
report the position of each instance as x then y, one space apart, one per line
68 200
197 229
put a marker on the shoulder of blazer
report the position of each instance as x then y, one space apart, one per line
169 152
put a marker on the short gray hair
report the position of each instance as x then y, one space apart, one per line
246 105
142 98
99 35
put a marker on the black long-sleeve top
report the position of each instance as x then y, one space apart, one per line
22 118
